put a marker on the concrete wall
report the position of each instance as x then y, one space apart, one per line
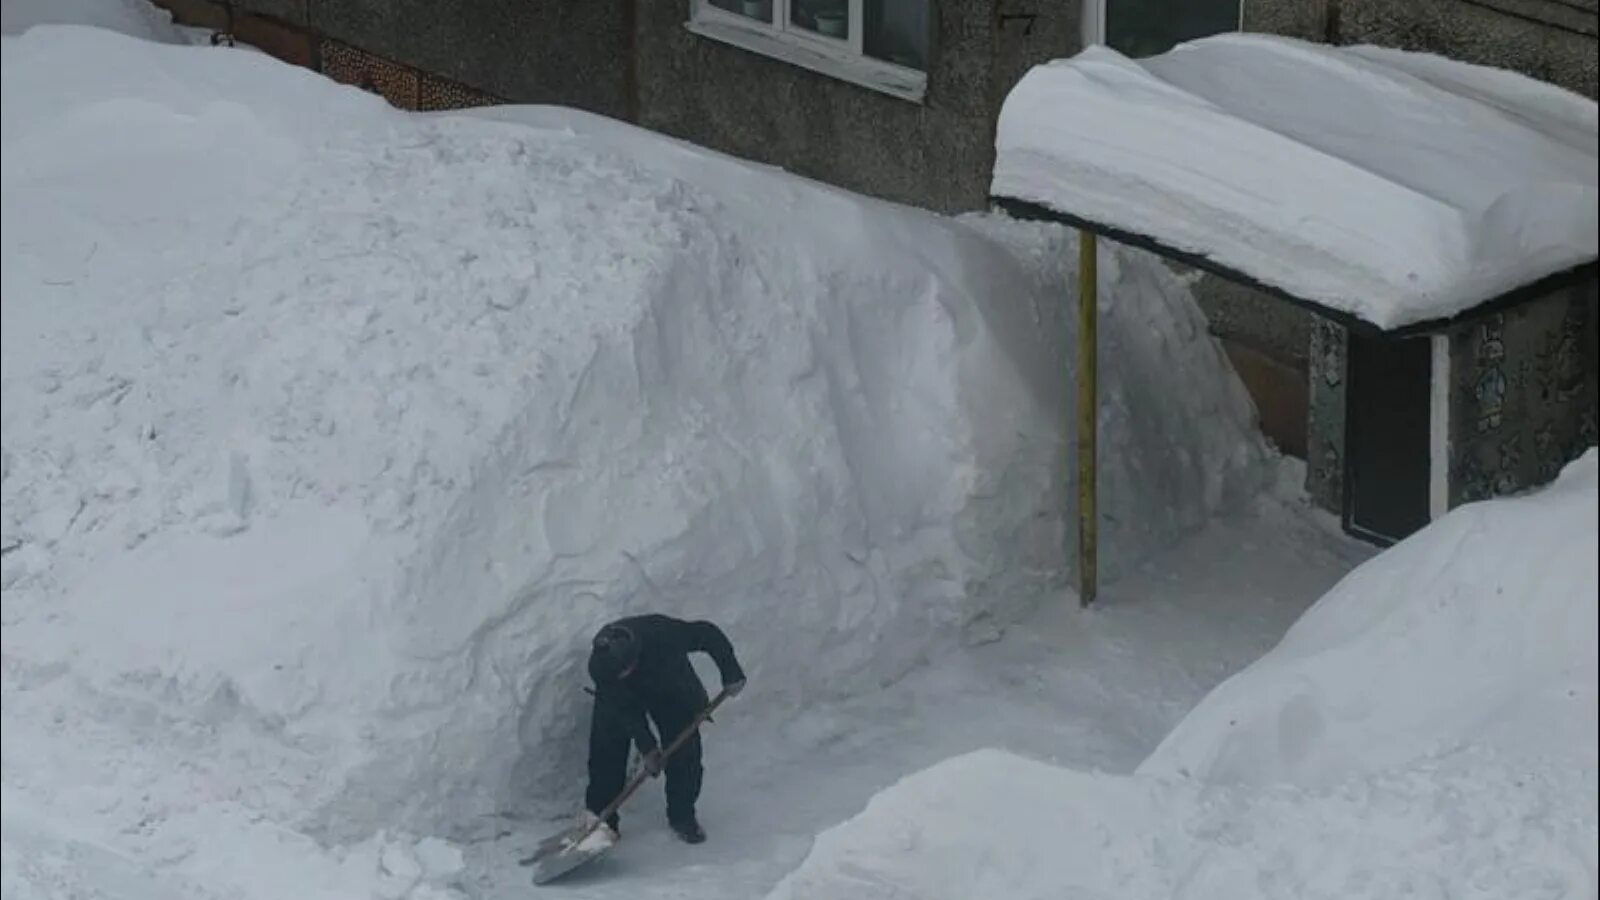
936 154
570 52
1551 40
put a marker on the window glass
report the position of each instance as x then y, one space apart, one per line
754 9
1146 27
897 31
825 17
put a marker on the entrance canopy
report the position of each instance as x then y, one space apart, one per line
1394 191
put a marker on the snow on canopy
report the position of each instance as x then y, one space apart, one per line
1395 187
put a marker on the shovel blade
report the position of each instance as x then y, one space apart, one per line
559 854
561 862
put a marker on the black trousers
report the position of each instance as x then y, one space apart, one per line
609 742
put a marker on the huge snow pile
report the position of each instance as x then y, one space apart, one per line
138 18
1395 186
1428 729
332 432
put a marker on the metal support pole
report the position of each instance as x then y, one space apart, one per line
1088 421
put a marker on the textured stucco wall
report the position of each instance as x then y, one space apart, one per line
935 154
569 52
1552 40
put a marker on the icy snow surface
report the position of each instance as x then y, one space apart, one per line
331 433
1398 187
1426 730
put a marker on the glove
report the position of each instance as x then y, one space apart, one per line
651 763
734 688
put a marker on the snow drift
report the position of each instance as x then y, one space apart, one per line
137 18
992 824
1427 729
1260 153
1480 631
331 433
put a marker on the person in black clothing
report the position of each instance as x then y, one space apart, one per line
640 667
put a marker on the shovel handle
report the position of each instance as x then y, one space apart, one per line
643 775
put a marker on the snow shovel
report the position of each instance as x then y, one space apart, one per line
561 853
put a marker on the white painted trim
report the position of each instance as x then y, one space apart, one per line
857 27
809 53
1439 429
1093 24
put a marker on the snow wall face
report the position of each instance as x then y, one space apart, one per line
363 457
1479 629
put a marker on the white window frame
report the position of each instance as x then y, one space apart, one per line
1094 21
843 59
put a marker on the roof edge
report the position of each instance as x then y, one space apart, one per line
1575 275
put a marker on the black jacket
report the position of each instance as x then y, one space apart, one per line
663 684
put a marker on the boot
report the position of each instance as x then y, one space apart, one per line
689 831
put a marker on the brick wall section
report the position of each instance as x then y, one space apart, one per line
403 86
393 82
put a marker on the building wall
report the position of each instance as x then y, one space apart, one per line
1525 386
568 52
935 154
1551 40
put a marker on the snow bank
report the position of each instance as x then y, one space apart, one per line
1480 630
994 825
1259 153
135 18
1427 729
331 433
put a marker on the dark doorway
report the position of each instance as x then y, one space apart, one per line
1386 442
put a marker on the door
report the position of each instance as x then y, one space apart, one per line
1387 462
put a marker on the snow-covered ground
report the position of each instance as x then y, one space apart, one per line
1395 186
1094 689
1428 729
331 432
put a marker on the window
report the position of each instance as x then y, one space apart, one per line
880 44
1139 28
